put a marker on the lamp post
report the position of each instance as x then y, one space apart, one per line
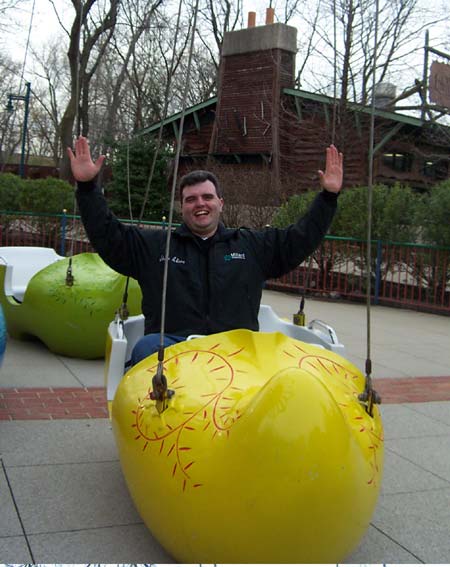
10 108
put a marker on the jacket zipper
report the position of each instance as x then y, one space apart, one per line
207 290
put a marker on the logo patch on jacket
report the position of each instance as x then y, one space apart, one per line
234 256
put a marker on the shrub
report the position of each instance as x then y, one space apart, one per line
293 209
433 215
10 190
394 212
48 195
137 158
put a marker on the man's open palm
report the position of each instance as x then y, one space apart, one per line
83 168
331 179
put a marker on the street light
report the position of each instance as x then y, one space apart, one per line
10 108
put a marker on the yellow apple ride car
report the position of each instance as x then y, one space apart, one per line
264 453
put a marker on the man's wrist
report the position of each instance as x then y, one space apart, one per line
330 195
86 186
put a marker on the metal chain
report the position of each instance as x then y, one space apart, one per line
369 396
160 390
69 275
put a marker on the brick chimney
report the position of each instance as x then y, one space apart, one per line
256 64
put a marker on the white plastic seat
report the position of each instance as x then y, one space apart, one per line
123 335
22 262
316 332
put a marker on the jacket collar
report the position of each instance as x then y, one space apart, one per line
221 234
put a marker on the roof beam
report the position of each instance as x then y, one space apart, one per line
387 137
196 119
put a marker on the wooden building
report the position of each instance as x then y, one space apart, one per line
267 139
36 167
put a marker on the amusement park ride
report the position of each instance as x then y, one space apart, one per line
264 452
260 447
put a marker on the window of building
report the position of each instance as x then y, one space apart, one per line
435 169
398 161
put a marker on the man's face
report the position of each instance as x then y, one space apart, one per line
201 208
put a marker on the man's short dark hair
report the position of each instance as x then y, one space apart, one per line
199 176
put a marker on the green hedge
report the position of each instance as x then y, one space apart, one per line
398 213
48 195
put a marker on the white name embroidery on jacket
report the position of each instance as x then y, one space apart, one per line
174 259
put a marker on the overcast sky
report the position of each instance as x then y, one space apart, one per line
45 26
45 23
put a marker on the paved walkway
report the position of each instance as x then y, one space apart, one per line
62 494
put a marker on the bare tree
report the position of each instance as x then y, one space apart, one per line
215 18
400 26
138 18
90 33
7 9
308 42
10 126
156 76
289 9
131 85
51 80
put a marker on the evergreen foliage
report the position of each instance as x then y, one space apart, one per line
48 195
134 160
394 213
434 215
10 189
293 209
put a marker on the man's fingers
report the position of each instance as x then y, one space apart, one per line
334 157
100 161
332 154
81 146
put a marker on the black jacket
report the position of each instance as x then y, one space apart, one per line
210 289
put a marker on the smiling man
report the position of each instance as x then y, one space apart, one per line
201 204
216 274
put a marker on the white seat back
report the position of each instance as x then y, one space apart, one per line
317 332
123 335
22 263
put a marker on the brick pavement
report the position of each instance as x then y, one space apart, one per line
85 403
52 403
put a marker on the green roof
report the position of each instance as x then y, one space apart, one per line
395 116
30 160
177 116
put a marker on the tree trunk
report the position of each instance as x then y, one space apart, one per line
77 106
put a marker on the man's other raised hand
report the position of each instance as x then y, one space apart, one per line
83 168
331 179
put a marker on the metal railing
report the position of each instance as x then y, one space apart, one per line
62 232
402 274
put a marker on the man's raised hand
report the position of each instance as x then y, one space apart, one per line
83 168
331 180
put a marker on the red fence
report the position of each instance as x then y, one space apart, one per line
408 275
64 233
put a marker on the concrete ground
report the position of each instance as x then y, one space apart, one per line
63 498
